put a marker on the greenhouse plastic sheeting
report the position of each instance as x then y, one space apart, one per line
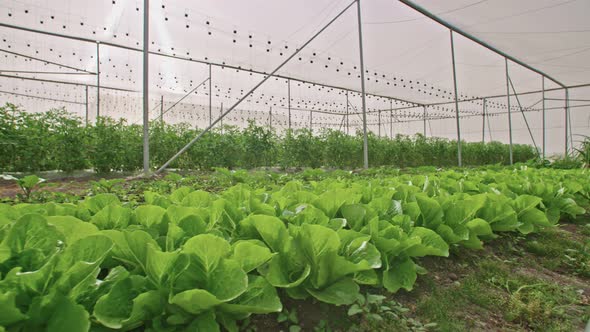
407 62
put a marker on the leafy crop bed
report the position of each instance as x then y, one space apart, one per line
191 260
56 140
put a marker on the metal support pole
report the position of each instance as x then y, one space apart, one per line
86 105
391 118
342 122
544 123
459 158
220 115
210 96
490 129
162 108
362 63
509 112
483 126
425 121
270 118
311 121
289 101
297 50
146 114
569 123
524 117
183 97
347 127
379 123
97 80
566 122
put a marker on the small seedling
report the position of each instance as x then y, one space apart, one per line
174 178
378 312
371 307
289 317
247 326
233 176
322 327
106 186
27 184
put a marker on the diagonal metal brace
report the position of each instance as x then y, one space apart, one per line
186 147
524 117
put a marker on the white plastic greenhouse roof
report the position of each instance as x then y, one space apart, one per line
552 36
407 61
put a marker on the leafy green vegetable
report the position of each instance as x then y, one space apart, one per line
188 259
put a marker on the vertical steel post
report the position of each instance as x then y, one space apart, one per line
342 122
146 120
483 126
289 100
311 121
220 115
425 121
490 129
270 118
210 96
391 118
509 112
86 105
569 123
379 123
459 158
362 63
162 109
347 131
544 123
97 80
566 122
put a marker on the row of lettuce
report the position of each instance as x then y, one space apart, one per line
56 140
190 260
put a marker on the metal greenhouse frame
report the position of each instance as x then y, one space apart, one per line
511 92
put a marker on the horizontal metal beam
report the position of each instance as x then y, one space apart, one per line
391 109
181 99
39 97
311 109
64 82
45 61
451 117
562 99
577 86
44 72
474 39
282 77
286 77
491 97
570 106
94 41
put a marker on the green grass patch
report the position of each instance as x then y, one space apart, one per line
559 250
494 290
